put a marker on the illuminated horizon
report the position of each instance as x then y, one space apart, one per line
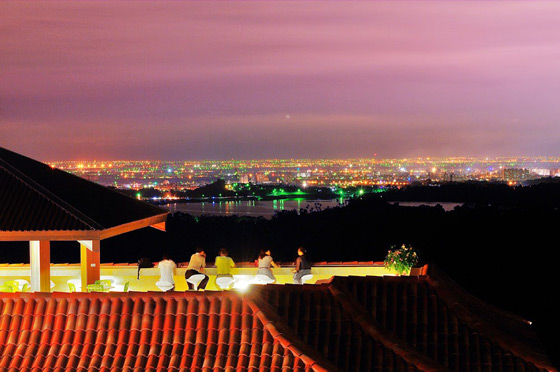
377 159
242 80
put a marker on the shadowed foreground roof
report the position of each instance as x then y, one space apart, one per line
349 324
36 197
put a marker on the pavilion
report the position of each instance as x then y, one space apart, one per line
40 204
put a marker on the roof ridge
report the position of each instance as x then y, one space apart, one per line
278 329
363 318
447 289
49 196
438 279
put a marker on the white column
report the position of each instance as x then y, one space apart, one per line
40 265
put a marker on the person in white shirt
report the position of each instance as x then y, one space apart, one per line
196 266
167 268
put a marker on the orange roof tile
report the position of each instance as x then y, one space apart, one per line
389 323
348 324
153 331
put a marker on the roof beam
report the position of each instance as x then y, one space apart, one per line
159 226
134 225
83 234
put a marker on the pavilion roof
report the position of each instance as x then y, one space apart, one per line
35 197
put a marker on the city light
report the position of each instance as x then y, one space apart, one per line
341 174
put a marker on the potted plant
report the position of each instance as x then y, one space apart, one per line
401 260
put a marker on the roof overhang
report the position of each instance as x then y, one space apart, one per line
157 222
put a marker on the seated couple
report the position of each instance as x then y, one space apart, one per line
196 266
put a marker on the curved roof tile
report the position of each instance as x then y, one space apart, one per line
349 324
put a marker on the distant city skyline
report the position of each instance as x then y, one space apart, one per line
375 158
262 80
176 175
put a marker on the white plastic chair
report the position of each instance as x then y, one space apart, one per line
22 283
195 280
164 285
224 282
265 279
306 278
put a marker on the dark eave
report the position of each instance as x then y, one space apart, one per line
40 202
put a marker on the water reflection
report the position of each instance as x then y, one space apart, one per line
264 208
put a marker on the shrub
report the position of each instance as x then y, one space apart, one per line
401 260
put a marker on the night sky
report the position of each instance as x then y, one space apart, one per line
222 80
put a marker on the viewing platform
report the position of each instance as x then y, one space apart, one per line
244 274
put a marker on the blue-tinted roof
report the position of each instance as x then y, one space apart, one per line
37 197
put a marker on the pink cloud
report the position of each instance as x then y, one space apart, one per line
172 68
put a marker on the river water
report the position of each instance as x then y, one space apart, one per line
267 208
255 208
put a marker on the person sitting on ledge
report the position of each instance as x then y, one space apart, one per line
224 264
303 266
196 266
265 262
167 268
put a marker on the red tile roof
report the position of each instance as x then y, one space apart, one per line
396 323
217 331
349 324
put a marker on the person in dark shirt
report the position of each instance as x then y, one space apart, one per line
303 266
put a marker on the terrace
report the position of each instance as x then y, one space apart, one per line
244 274
41 204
